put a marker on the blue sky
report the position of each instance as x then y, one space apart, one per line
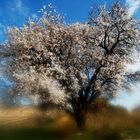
16 13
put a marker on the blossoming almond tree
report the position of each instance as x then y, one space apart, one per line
69 66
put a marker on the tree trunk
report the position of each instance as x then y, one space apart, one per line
43 106
80 119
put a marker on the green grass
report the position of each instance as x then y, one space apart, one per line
132 133
46 134
28 134
49 133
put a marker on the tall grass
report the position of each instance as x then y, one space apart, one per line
103 122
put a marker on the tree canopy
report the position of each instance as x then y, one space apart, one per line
72 65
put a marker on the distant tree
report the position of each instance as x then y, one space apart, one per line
71 65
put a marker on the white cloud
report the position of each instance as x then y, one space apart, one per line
128 100
134 5
18 7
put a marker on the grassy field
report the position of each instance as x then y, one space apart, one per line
106 123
